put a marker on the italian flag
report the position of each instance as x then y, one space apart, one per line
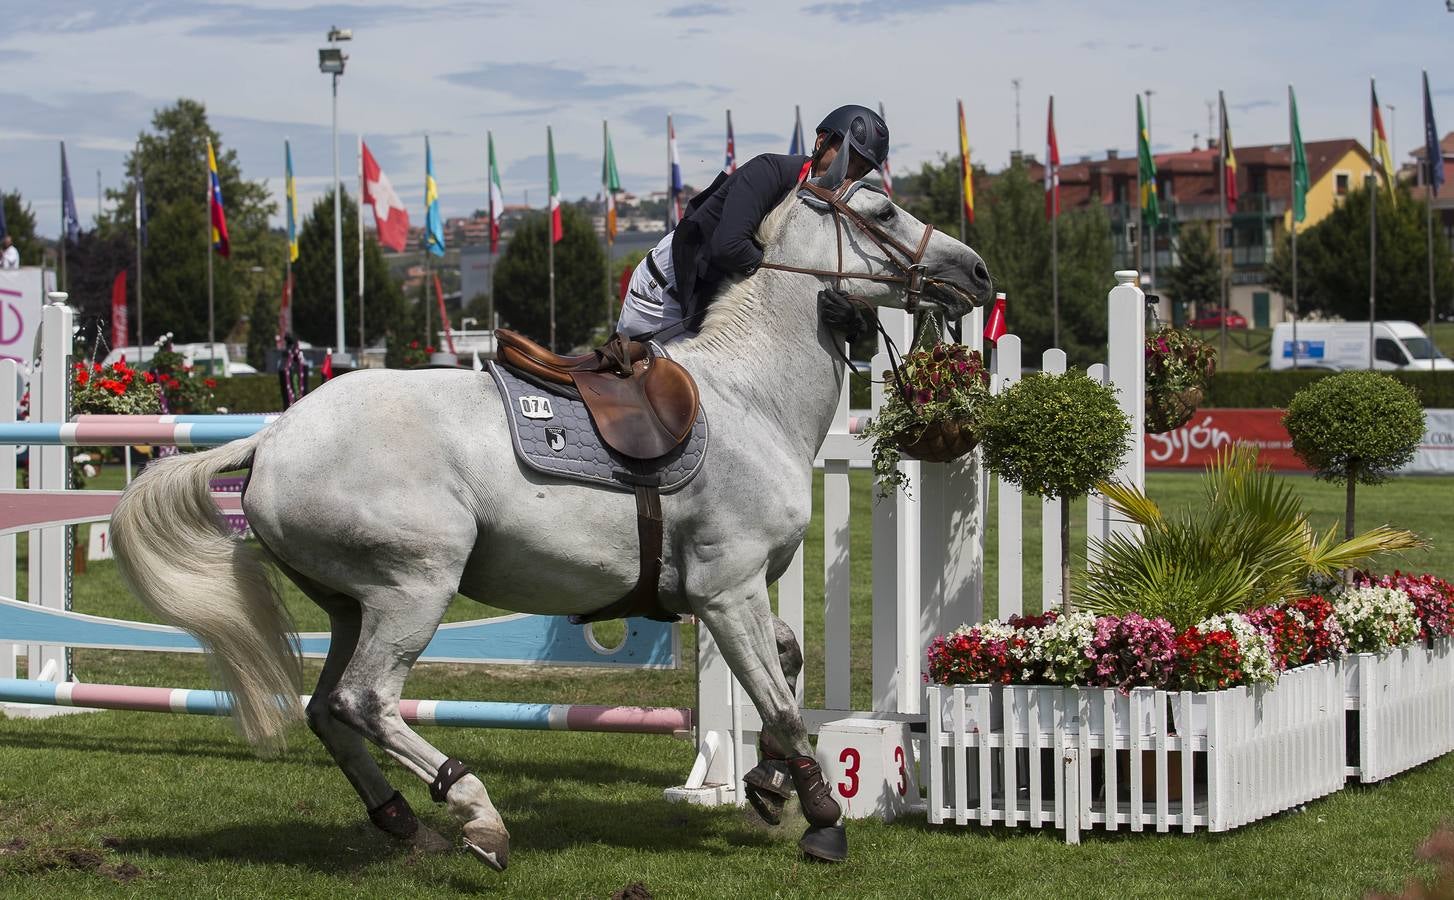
556 231
497 199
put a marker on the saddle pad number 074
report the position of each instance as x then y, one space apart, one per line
553 435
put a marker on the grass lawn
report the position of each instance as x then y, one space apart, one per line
111 803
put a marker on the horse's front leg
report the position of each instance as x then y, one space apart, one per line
742 623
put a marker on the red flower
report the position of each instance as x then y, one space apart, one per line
150 377
428 349
82 377
210 382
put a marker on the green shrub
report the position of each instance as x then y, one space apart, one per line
1055 436
254 393
1355 427
1274 390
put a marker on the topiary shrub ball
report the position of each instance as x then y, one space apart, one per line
1361 426
1055 435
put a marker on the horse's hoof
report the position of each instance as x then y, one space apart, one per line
827 844
394 818
767 788
489 841
427 840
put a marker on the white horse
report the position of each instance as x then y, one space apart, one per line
384 493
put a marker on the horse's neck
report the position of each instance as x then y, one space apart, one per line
761 346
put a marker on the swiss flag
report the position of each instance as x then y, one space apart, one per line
390 217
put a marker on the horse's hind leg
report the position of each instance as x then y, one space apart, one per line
769 785
386 807
396 626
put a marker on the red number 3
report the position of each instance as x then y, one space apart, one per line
850 787
903 772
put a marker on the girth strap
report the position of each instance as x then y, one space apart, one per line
643 599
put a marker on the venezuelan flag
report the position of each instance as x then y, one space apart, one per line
220 243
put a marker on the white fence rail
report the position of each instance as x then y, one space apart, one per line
1401 707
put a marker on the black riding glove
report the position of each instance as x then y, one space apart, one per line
840 313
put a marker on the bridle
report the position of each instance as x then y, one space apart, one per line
912 273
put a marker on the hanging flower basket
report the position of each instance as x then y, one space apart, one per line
1178 366
934 417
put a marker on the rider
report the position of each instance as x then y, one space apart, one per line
716 237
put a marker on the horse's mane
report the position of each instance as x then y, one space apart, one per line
732 309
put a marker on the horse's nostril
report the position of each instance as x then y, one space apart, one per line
981 271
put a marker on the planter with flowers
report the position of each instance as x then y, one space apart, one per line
1178 365
932 415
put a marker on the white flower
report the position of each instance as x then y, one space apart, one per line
1256 647
89 470
1375 619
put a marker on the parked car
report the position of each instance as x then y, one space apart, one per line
1344 345
1212 318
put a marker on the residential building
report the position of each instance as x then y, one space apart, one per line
1188 194
1444 200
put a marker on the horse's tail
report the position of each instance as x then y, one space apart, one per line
176 554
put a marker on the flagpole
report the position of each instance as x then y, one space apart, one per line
605 221
211 321
1054 231
140 322
1222 221
359 214
1293 137
550 244
1373 234
1429 247
64 281
1153 190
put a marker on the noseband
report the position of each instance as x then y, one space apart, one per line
909 263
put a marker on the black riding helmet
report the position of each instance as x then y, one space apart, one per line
863 131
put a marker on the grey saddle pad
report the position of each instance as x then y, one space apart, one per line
553 435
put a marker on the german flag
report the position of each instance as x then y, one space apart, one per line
1381 155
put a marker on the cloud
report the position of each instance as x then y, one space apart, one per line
549 82
224 19
652 119
696 10
861 11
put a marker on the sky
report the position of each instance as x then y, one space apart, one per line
91 72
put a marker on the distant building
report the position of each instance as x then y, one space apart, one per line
1444 200
1187 191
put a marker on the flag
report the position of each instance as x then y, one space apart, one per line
497 199
994 326
610 184
556 230
1381 156
1299 163
730 164
966 177
673 178
327 368
1229 159
214 206
118 311
70 222
140 207
883 170
1052 165
290 203
1433 153
796 145
285 308
433 222
1150 203
391 220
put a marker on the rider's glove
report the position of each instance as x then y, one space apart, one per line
840 313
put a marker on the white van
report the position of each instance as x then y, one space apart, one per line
1344 345
199 356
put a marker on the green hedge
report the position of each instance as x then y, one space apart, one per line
1268 390
253 393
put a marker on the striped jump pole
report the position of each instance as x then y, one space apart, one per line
453 713
122 431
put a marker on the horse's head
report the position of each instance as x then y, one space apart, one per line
885 255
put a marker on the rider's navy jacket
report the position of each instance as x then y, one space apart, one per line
717 235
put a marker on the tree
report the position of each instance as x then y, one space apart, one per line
1196 279
20 225
1055 436
1355 427
1333 261
92 261
173 160
314 305
521 287
1012 235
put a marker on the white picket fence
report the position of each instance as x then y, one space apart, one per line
1077 758
1401 706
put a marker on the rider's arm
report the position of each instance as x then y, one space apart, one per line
756 188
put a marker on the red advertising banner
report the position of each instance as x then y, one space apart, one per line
1197 442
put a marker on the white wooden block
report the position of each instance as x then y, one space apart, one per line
98 546
869 766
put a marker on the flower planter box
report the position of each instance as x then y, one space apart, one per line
1400 708
1212 760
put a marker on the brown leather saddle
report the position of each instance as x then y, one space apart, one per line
643 405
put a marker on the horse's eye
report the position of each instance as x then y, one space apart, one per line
887 213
